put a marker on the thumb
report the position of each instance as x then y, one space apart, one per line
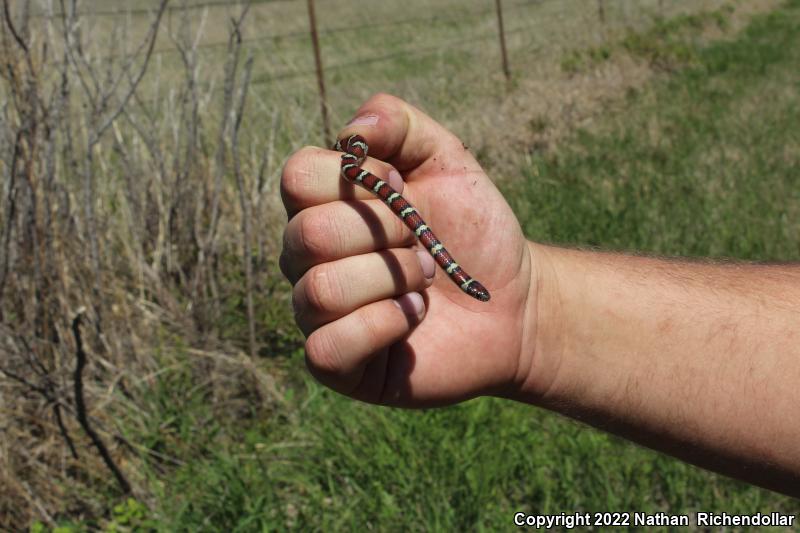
407 138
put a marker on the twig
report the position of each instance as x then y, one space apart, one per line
72 44
51 397
323 100
234 45
37 503
9 222
48 392
207 248
98 126
32 386
80 405
135 83
62 428
12 29
245 204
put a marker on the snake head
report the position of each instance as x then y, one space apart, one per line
355 144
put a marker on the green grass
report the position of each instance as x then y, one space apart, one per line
666 45
704 162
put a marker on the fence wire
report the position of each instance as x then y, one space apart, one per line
463 21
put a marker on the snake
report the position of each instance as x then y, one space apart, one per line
355 150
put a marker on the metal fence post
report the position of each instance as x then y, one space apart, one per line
504 53
323 102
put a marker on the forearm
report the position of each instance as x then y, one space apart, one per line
700 361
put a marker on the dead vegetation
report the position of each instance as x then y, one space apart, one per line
117 223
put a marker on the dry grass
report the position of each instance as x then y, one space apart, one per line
548 103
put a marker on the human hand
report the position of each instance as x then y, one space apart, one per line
377 328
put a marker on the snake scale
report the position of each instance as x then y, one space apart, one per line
355 151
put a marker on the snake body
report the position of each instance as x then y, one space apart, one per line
355 151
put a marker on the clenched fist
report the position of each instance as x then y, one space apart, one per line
383 324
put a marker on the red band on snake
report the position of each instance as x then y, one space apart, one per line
355 151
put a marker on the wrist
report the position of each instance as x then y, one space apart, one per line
543 336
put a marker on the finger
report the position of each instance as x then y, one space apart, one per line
407 138
311 177
332 290
325 233
337 353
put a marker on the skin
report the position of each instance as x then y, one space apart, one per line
697 360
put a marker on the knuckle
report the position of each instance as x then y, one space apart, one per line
283 263
371 329
315 232
399 228
296 170
286 257
298 303
322 354
322 290
412 268
404 267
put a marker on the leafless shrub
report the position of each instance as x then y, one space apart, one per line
125 202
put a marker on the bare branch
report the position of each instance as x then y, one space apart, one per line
153 34
245 205
32 386
207 248
12 29
63 430
11 212
74 50
234 44
49 393
80 406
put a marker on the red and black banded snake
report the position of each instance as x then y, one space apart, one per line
355 151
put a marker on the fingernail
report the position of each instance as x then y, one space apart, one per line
395 180
426 261
364 120
411 304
